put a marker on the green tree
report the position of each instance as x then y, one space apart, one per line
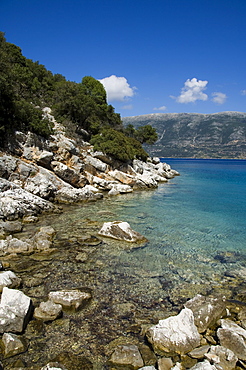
117 145
146 134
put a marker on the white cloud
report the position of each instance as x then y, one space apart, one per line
160 108
192 91
219 98
243 92
117 88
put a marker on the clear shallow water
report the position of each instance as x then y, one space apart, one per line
195 224
196 227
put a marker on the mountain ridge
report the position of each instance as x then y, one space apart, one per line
196 135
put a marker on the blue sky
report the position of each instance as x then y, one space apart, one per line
153 56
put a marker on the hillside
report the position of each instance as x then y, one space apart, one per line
218 135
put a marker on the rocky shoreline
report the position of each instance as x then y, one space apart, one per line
49 323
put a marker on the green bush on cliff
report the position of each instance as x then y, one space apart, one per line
117 145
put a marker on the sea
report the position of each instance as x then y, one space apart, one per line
196 230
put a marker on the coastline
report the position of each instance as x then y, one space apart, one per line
112 323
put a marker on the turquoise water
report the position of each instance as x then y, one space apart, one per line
196 230
195 224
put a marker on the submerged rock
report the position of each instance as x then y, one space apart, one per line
70 298
127 356
48 311
175 334
12 345
122 231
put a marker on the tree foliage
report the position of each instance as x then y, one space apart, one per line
119 146
26 87
144 134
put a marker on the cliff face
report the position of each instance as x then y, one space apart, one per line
218 135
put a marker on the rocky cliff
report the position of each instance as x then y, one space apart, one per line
219 135
36 174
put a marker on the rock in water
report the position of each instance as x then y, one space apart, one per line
122 231
14 310
70 298
9 279
127 356
175 334
48 311
12 345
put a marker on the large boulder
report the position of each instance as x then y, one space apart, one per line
16 202
206 310
96 163
148 179
122 231
15 309
72 195
175 334
66 173
123 177
119 188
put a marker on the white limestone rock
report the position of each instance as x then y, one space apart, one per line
121 231
16 202
205 365
120 188
14 310
123 177
72 195
97 163
233 337
222 358
175 334
147 179
70 298
9 279
206 310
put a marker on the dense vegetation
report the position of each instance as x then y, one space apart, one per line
26 87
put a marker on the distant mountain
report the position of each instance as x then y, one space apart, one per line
193 135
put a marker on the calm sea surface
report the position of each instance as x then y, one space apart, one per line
196 227
195 224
